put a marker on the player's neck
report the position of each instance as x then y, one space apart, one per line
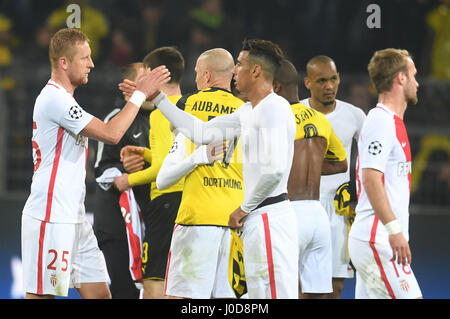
63 81
171 89
322 108
394 102
222 83
258 92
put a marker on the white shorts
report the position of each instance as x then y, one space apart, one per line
197 265
339 239
59 256
377 275
314 237
270 241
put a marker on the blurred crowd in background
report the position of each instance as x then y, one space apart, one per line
122 32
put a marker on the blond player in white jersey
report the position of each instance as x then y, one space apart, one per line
59 249
378 240
322 81
266 125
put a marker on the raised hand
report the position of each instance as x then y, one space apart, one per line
151 81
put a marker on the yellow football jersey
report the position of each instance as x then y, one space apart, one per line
212 192
310 123
161 140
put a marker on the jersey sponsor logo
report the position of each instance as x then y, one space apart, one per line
404 168
375 148
222 182
207 106
76 112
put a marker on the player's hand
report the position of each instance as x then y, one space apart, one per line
127 87
132 158
400 249
236 219
121 183
131 150
215 151
150 81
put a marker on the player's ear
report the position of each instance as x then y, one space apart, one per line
63 63
256 70
307 82
276 87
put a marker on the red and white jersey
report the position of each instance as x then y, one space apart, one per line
383 145
59 155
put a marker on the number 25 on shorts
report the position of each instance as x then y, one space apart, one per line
64 261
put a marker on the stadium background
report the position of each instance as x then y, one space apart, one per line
124 31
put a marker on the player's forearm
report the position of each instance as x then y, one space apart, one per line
119 124
374 186
264 187
171 173
334 167
221 128
186 123
143 177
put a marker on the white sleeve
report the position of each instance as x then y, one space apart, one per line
273 156
177 164
68 114
221 128
376 141
359 117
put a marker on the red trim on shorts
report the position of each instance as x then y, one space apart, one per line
40 265
168 264
273 288
167 272
373 233
51 185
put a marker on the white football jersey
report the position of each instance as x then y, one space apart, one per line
59 155
346 121
384 146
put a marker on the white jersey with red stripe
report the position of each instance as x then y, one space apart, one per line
59 155
384 146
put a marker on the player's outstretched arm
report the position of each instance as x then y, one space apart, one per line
147 86
178 164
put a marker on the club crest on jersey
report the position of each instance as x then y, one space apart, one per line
75 112
375 148
53 280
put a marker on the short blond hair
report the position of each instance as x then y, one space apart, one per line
63 42
385 65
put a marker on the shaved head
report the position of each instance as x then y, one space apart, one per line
286 74
214 68
319 59
218 60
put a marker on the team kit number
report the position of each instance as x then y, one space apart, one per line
64 260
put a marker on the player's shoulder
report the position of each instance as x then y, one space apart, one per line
379 117
53 99
348 107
